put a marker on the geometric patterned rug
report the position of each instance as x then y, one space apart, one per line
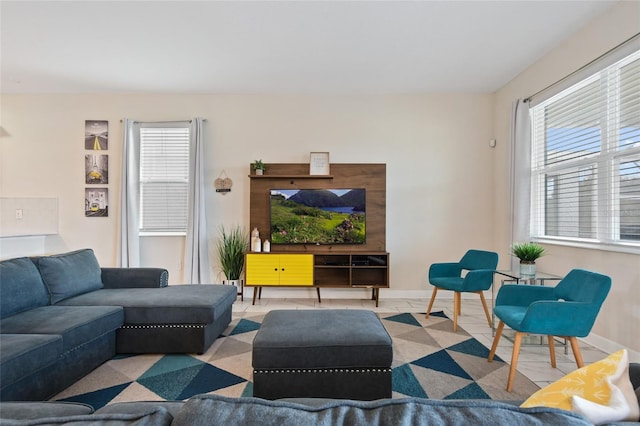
429 361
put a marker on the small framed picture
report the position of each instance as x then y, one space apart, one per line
96 169
96 202
319 163
96 135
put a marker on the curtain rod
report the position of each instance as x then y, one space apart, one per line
528 98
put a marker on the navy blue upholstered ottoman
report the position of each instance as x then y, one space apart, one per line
332 353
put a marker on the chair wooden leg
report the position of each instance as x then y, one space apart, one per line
486 309
576 351
456 310
517 342
433 298
552 351
496 339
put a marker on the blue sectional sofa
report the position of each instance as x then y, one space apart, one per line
61 316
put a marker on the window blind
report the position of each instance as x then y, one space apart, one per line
586 158
164 178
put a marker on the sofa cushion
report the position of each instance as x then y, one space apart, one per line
157 416
21 287
215 409
76 324
37 410
23 354
70 274
177 304
173 407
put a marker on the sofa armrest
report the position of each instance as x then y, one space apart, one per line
134 277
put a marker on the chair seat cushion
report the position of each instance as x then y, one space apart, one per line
177 304
337 338
76 324
448 283
22 354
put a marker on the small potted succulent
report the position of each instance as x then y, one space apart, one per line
258 166
528 253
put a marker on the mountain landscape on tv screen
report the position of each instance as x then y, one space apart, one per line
318 216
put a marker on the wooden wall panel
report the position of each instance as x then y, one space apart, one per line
372 177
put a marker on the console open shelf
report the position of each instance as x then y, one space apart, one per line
329 270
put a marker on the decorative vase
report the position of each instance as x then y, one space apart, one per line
527 268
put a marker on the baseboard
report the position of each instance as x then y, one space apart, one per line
609 346
353 293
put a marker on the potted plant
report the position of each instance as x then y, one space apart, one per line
258 166
231 246
528 253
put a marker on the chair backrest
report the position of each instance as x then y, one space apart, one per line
584 286
479 259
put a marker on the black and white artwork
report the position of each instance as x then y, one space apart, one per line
96 135
96 202
96 169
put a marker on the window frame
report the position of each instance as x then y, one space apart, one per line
185 151
607 161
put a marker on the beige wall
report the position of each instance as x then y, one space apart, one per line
620 316
447 190
436 147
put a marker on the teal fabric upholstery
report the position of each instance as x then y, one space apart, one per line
567 310
70 274
472 274
77 325
21 287
22 354
480 266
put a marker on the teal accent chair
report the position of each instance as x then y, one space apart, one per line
479 266
567 310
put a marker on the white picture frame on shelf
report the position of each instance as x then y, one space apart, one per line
319 163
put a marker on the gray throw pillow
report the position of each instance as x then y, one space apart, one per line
70 274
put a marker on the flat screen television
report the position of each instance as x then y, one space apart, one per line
318 216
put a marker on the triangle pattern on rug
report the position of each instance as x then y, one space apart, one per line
405 382
245 326
442 361
100 398
404 319
430 361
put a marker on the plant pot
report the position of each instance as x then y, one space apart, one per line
527 268
259 172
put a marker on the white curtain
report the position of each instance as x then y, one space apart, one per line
128 235
196 254
520 175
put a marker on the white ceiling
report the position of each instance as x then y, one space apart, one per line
278 46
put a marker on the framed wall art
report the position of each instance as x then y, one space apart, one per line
319 163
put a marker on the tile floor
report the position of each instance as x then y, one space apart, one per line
533 361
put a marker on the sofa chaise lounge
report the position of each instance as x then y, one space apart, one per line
63 315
